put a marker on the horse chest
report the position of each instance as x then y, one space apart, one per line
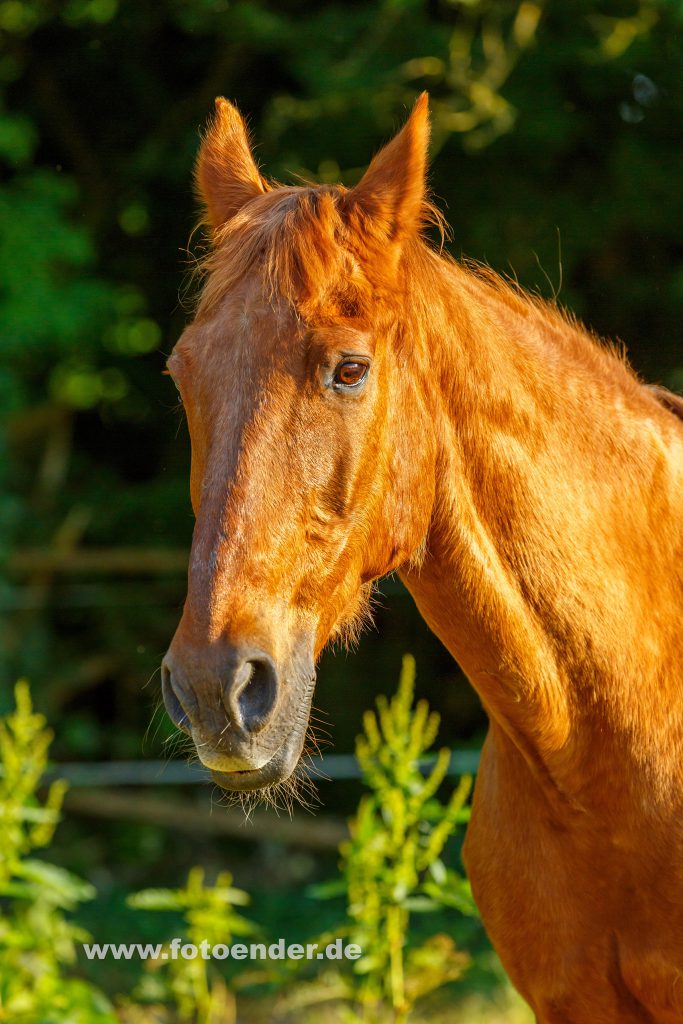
584 938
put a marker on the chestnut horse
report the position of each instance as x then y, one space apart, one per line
360 404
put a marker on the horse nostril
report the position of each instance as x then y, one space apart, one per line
174 707
254 692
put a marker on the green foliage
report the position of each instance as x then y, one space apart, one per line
372 59
25 823
193 985
37 939
392 865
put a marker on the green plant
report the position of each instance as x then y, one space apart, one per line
37 939
197 990
392 865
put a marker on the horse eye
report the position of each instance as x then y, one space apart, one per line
350 373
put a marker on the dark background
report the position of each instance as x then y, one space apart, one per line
557 158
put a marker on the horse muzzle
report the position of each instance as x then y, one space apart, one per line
246 715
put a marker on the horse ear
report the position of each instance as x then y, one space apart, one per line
390 197
226 175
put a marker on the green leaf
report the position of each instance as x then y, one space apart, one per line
420 904
157 899
327 890
55 879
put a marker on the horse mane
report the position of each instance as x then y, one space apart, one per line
670 400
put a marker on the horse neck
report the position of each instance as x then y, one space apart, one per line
548 570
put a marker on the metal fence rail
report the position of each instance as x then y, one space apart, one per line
335 767
98 790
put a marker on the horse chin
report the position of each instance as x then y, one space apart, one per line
280 767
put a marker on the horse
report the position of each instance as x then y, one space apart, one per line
359 403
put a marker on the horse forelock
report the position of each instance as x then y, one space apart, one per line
296 239
300 240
